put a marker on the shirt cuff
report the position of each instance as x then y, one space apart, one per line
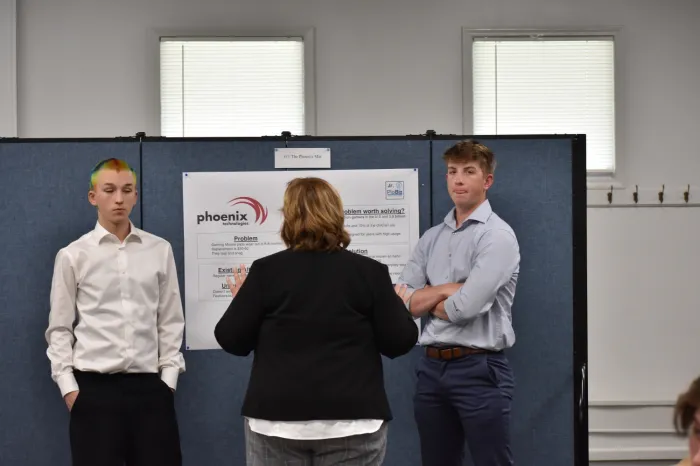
451 310
67 383
410 298
169 375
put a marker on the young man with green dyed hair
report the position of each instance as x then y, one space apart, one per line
115 331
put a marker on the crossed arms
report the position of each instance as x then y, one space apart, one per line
431 300
495 260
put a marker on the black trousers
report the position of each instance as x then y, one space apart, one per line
124 420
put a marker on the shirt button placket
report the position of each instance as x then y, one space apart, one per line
124 292
450 248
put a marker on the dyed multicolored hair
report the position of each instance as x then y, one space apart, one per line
109 164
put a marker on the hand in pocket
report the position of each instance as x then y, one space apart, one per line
70 399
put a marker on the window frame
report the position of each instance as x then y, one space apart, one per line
309 67
8 71
596 178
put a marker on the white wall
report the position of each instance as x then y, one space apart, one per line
8 72
90 68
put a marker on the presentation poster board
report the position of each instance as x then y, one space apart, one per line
233 218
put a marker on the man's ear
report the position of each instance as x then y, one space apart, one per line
91 198
489 181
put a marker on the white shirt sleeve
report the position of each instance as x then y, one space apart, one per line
171 323
59 334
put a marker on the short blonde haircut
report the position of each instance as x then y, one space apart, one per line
313 216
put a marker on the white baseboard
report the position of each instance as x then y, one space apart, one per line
672 454
633 431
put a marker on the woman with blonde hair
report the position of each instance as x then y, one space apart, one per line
318 319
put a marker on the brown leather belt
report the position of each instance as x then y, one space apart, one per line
454 352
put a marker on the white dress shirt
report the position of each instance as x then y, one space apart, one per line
115 307
314 430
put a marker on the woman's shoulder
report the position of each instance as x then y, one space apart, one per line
274 258
354 257
358 255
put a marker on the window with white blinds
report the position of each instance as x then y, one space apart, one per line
232 87
548 86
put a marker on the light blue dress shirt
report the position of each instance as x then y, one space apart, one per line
484 255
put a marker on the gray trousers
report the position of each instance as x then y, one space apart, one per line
357 450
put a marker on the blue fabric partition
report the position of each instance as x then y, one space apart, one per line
532 191
539 190
44 207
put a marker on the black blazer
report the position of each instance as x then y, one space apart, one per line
318 323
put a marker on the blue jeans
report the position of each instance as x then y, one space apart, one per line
464 400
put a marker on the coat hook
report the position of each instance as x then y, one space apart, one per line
686 194
661 193
610 195
635 194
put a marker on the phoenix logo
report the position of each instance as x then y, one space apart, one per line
237 218
258 208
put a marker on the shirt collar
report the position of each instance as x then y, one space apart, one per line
481 214
100 233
